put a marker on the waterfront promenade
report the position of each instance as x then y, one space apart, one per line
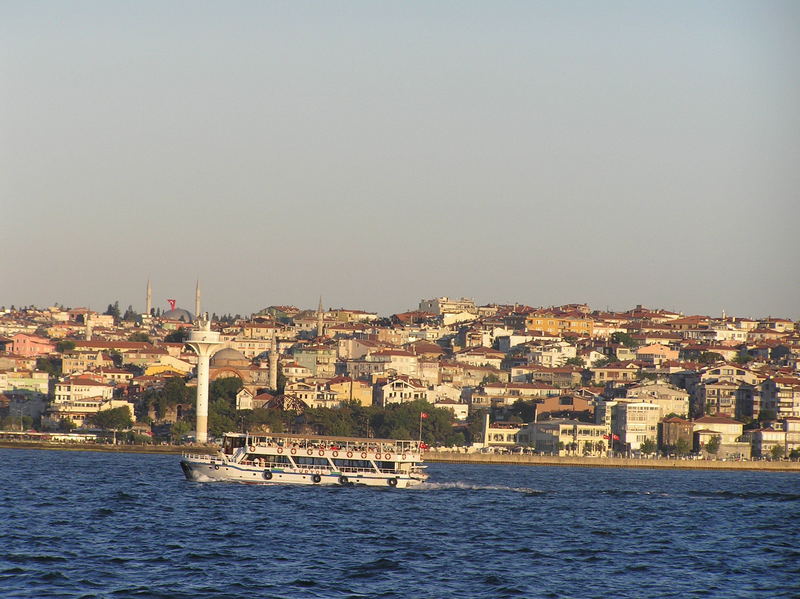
454 457
598 462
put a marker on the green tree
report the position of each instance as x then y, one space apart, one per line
776 453
139 336
682 446
177 336
179 430
51 366
65 345
113 419
713 444
743 357
624 339
130 314
710 357
648 446
113 310
794 455
601 362
65 425
576 361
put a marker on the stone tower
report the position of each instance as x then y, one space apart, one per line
197 300
148 304
273 363
320 319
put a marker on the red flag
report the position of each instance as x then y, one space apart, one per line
616 437
423 414
606 436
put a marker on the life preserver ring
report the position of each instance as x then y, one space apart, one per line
321 452
280 449
392 482
349 454
343 480
252 448
363 454
316 478
294 451
310 452
216 467
336 454
377 456
404 456
267 474
388 456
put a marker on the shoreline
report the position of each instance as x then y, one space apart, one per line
451 457
598 462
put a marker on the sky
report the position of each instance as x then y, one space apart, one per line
376 153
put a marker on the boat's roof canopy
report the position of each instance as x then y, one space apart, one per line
299 436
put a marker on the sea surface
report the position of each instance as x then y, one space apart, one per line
85 524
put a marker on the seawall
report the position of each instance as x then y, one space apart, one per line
589 462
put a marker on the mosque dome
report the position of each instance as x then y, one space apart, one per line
178 314
229 357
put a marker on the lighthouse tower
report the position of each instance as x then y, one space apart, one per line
205 343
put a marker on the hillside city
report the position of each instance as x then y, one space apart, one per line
565 380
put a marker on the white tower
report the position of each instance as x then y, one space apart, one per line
148 306
320 319
273 363
205 343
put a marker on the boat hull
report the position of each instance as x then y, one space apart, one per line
212 471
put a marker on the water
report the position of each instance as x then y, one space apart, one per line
76 524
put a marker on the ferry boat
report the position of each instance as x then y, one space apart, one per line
284 458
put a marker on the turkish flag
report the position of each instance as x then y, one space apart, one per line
423 414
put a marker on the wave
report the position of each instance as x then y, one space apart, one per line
746 495
427 486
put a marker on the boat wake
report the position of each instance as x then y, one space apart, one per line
471 487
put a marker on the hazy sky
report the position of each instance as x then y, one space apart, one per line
377 153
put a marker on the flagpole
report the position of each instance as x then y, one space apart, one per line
420 427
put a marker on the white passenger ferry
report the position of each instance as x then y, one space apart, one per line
283 458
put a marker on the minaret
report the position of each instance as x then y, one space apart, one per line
320 319
197 300
273 362
88 328
205 343
148 306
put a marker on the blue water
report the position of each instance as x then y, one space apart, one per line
80 524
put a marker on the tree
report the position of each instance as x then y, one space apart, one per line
179 430
601 363
576 361
51 366
648 446
713 444
490 378
139 336
776 453
65 425
624 339
130 314
794 455
65 345
682 446
113 310
177 336
710 357
113 420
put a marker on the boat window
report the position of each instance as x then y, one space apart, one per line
310 461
